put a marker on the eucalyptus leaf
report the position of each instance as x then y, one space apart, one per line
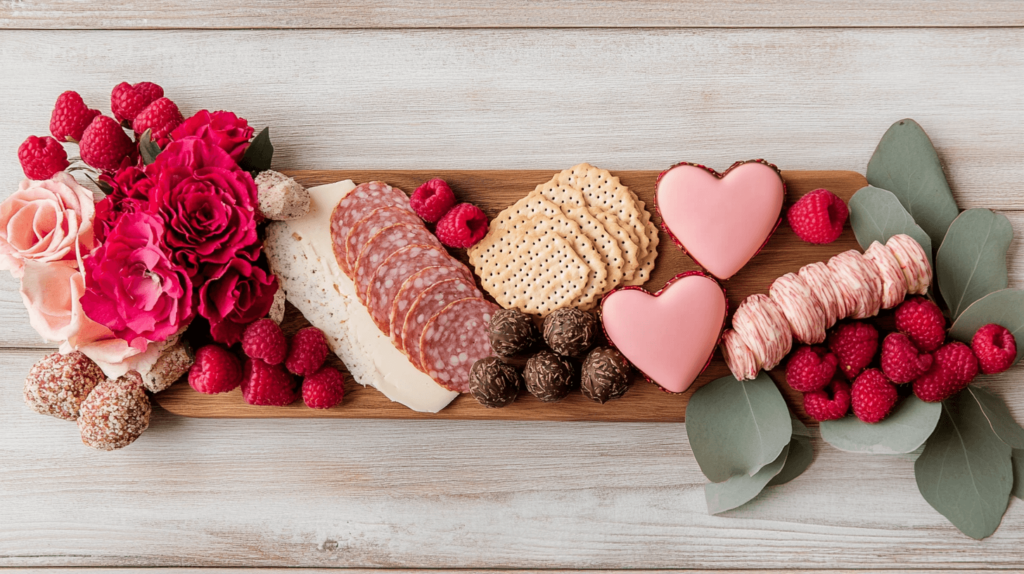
148 148
1004 307
800 455
742 488
737 427
971 262
1018 473
998 417
877 214
904 430
102 185
965 471
259 154
905 163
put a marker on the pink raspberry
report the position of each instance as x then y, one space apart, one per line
127 101
818 217
902 362
307 351
267 385
953 368
215 370
923 322
855 344
811 369
432 200
41 157
104 144
70 117
462 226
323 389
873 396
265 340
830 403
995 348
160 117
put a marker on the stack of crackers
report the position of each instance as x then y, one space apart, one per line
567 243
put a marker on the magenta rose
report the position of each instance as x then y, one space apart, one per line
130 192
242 293
222 129
133 287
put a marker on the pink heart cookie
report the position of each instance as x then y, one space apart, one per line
721 220
671 335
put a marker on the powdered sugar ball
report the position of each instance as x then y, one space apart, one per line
58 384
115 413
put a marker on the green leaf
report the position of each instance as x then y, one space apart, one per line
259 154
148 148
971 262
1004 307
903 431
800 455
965 471
102 185
877 214
905 163
737 427
1018 473
998 417
742 488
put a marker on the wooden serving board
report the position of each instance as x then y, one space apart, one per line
493 190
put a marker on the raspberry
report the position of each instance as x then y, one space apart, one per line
462 226
995 348
215 370
855 345
953 368
902 362
830 403
70 117
104 144
307 352
268 385
818 217
873 396
923 322
127 101
160 117
432 200
811 369
323 389
41 157
265 340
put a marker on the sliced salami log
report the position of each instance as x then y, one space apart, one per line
368 226
392 273
454 339
365 198
381 246
430 302
411 289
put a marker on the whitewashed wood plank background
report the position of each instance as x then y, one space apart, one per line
498 495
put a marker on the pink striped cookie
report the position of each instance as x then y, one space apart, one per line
738 356
764 330
859 281
801 308
894 287
820 281
913 261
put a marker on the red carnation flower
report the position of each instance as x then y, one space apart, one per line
238 295
222 129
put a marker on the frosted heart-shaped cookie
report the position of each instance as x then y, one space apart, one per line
670 335
721 220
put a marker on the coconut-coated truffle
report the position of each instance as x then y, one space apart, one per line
570 331
58 384
115 413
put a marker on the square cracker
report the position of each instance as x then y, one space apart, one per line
603 192
643 273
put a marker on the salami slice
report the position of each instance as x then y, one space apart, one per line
411 289
454 339
359 202
381 246
366 227
430 302
392 273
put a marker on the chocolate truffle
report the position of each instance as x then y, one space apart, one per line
511 332
58 384
569 331
493 383
548 376
605 375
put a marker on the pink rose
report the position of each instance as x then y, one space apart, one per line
44 221
222 129
241 294
133 287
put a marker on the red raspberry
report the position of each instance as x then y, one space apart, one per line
923 322
307 352
855 344
818 217
995 348
265 340
104 144
953 368
873 396
127 101
70 117
830 403
41 157
462 226
160 117
267 385
432 200
811 369
901 361
215 370
323 389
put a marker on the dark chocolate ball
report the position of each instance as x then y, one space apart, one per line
605 375
493 383
511 332
548 376
569 331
